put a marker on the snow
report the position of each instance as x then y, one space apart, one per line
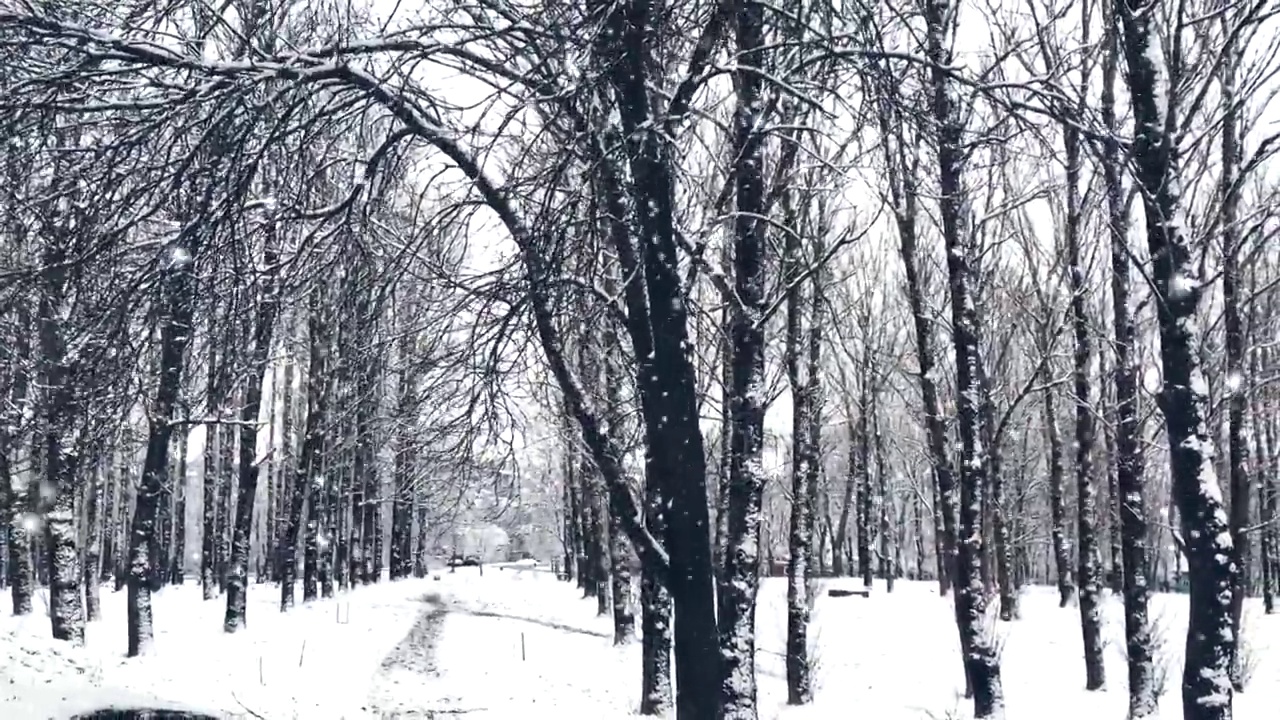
316 661
515 642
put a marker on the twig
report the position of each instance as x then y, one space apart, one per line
246 707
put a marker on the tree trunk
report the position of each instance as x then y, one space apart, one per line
1057 500
888 569
901 162
93 544
263 326
866 500
308 480
1086 492
1206 681
21 518
61 413
799 547
981 660
1238 385
747 396
655 615
177 562
1129 455
227 474
402 497
176 310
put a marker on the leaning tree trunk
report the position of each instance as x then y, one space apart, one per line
901 164
176 311
981 660
1129 454
263 325
1206 676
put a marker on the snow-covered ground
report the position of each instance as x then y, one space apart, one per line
517 643
317 661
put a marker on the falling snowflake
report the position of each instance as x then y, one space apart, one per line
179 257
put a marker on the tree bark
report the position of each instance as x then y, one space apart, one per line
263 327
1090 589
981 660
1129 456
1238 384
93 544
1206 681
800 542
737 606
176 330
308 478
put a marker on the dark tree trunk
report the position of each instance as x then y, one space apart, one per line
1001 552
737 607
177 563
865 499
20 519
308 478
1238 385
1115 567
665 375
1129 455
177 308
902 163
1057 501
210 477
93 544
571 540
227 474
1206 681
655 616
402 540
888 569
110 509
619 569
800 542
61 412
980 657
263 325
1088 574
1265 435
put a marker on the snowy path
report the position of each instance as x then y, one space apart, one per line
396 690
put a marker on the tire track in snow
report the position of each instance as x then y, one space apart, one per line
402 688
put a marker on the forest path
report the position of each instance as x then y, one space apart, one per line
402 686
511 642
